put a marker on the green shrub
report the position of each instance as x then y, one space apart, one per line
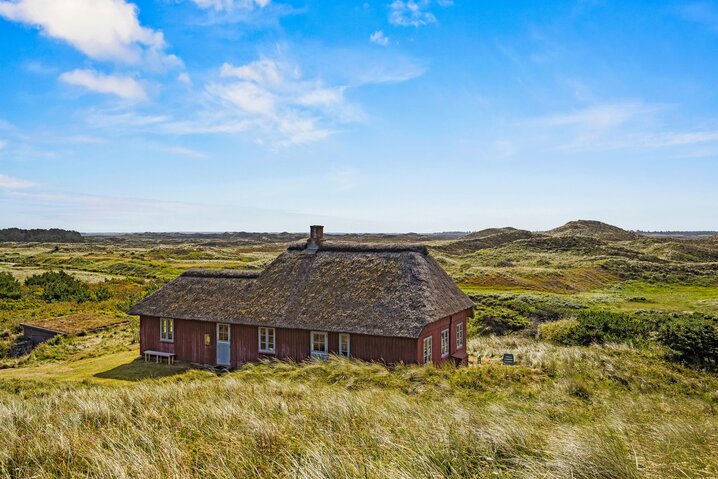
73 290
594 327
102 293
43 279
9 286
563 331
60 286
498 320
694 341
604 326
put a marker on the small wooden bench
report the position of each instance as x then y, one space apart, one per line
158 355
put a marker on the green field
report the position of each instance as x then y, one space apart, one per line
87 406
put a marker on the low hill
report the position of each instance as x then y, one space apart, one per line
593 229
488 238
52 235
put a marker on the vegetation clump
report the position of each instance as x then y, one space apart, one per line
60 286
9 286
694 341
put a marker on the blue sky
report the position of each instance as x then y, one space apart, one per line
406 115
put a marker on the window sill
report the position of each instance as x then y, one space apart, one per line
266 351
445 355
167 340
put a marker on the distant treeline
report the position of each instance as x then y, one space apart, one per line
53 235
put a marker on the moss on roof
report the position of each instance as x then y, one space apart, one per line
75 323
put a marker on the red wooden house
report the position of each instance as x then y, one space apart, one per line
390 303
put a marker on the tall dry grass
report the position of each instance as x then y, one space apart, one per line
563 412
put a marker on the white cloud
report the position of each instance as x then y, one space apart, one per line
122 86
631 125
14 183
182 151
184 78
229 5
598 117
263 71
322 97
101 29
379 38
276 99
269 100
410 13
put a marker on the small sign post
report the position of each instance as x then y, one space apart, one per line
508 359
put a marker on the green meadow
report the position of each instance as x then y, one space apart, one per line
598 389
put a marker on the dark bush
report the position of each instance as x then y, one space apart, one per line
605 327
497 320
60 286
43 279
694 341
9 286
102 293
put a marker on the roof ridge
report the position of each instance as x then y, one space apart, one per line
357 247
222 273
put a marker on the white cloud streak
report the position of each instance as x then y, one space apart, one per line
14 183
230 5
122 86
101 29
182 151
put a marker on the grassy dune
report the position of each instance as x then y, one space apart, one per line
87 407
598 412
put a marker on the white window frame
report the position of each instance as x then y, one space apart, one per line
428 349
167 334
319 354
339 346
459 335
445 345
265 331
229 333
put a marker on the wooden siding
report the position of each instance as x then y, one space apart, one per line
292 344
189 344
434 330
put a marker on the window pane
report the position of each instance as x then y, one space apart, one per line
319 342
223 332
344 345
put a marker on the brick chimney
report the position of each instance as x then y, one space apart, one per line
316 236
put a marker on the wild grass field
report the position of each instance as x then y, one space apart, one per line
596 392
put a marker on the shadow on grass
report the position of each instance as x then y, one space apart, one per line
138 370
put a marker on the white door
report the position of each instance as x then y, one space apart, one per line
224 355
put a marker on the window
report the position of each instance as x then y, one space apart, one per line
459 335
444 343
223 332
167 330
344 345
319 344
266 340
427 350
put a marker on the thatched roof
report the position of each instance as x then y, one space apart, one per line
379 289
